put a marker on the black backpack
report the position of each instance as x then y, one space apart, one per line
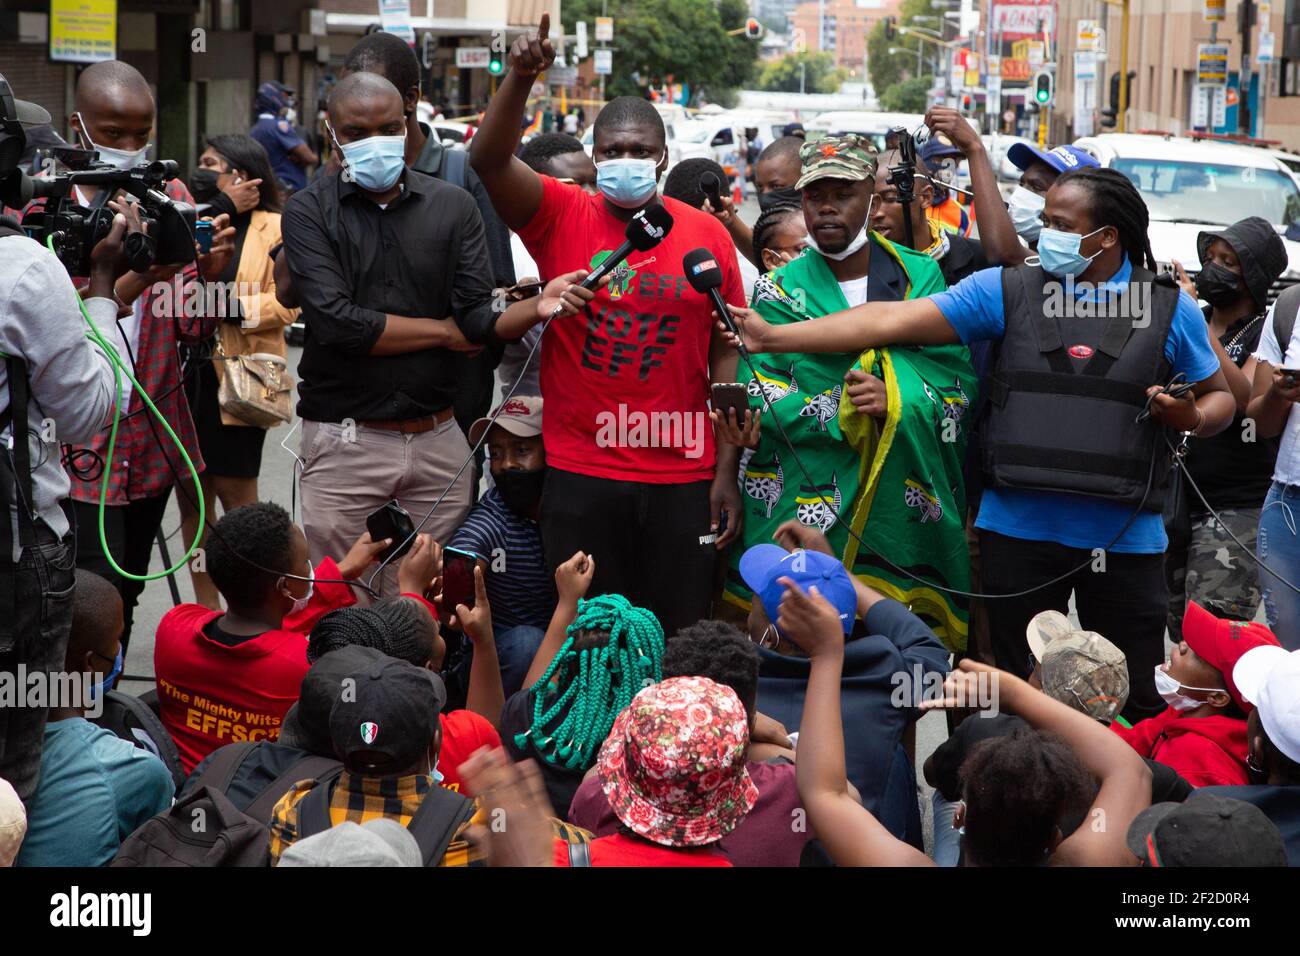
1284 315
441 814
261 784
202 830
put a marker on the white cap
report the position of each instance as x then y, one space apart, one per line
13 823
379 842
1269 678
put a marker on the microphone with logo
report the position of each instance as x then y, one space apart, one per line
645 231
705 276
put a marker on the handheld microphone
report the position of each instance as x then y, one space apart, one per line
705 276
645 231
712 190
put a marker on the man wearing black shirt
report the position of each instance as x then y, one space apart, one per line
379 255
391 58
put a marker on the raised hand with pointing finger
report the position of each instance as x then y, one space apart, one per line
530 56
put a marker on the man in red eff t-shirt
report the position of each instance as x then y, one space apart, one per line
626 383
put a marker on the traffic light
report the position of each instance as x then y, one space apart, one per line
753 29
967 103
890 32
1108 116
1043 88
497 63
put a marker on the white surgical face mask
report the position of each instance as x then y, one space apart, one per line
858 242
1025 207
1170 691
118 158
300 603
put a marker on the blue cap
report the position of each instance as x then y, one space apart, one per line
937 147
763 564
1060 158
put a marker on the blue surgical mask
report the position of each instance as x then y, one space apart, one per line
106 684
1058 252
627 182
374 163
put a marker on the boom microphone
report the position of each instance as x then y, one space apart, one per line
645 231
705 276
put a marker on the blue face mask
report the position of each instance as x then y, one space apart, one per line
106 684
627 182
1058 252
374 163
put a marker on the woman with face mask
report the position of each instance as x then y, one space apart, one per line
1074 482
233 176
1238 266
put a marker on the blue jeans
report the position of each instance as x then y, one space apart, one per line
947 840
1279 547
516 647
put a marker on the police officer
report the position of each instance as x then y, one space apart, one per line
1087 338
274 129
55 386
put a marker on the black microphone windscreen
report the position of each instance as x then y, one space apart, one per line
648 227
702 270
709 184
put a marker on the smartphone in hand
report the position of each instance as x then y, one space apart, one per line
730 395
457 580
391 521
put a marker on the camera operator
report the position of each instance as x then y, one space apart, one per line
115 115
62 386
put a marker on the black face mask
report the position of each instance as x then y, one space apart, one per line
520 489
777 197
203 184
1217 285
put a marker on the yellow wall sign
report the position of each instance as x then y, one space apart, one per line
83 31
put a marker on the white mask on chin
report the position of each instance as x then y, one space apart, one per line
857 242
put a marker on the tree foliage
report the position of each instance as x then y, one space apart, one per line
886 70
685 40
907 96
783 75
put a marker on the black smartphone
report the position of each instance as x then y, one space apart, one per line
525 290
203 235
1292 376
392 521
731 395
457 580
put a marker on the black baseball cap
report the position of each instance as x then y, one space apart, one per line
306 725
386 719
952 753
1206 830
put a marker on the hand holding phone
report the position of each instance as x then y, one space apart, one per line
203 235
391 521
457 582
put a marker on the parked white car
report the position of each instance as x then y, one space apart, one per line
1191 185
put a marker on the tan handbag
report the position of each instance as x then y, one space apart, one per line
256 388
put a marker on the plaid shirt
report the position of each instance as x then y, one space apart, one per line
139 463
359 799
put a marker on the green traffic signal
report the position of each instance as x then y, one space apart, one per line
496 65
1043 89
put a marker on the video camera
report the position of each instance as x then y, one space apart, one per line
76 229
902 176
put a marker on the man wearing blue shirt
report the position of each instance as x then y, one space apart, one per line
289 155
1074 480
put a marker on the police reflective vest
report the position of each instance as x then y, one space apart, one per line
1068 384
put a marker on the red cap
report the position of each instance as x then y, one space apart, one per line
1220 643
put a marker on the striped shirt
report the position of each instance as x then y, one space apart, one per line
518 586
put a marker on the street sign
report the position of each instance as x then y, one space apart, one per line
562 75
1200 112
957 74
83 31
1214 9
1212 64
604 62
1266 48
1219 106
1037 55
994 83
582 40
1085 92
473 57
604 29
395 18
1089 38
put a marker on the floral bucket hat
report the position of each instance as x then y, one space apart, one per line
673 766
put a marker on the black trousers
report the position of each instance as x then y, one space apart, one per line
36 642
651 542
1126 604
131 530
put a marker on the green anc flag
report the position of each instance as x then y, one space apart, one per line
849 459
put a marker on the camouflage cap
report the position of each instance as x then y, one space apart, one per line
1086 672
849 157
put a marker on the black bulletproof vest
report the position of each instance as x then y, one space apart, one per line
1069 382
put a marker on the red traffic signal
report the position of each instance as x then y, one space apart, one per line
753 29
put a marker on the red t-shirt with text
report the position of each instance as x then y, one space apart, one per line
211 694
626 382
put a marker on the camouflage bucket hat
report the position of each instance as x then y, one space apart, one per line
1088 673
849 157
